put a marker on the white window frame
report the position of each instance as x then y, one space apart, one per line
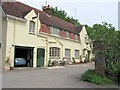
77 52
84 52
55 31
32 27
54 52
76 37
68 34
68 53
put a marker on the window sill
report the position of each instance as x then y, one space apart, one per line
55 35
77 58
66 38
31 33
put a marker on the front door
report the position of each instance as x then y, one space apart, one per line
88 55
68 55
40 57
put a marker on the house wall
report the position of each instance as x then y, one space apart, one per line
84 34
4 36
55 41
18 35
0 38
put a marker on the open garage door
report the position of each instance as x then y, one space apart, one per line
23 56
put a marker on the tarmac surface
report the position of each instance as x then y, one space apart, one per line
52 77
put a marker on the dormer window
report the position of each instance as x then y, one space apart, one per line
32 27
76 37
55 31
68 34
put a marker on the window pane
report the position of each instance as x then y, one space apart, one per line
67 53
76 37
68 34
55 31
55 52
76 53
32 27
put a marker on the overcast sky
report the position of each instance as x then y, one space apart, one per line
86 11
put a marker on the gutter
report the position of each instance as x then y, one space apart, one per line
61 45
15 18
45 40
46 47
2 10
10 16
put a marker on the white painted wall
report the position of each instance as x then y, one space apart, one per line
18 34
63 44
0 38
83 34
0 48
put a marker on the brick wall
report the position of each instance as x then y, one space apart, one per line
62 33
45 29
78 37
72 35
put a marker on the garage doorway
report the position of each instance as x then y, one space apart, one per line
23 56
40 57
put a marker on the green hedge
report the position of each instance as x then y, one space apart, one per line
93 77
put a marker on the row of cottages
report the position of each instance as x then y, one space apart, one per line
39 37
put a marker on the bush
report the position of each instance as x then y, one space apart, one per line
93 77
93 59
49 63
73 60
54 63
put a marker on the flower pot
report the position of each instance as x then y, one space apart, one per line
11 68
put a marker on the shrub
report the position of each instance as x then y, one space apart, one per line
93 77
93 59
49 63
73 60
54 63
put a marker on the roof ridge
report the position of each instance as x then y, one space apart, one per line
44 12
28 6
62 20
20 9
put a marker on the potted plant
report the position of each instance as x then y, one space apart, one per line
74 62
86 59
49 63
8 61
53 63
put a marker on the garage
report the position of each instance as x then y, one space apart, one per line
23 56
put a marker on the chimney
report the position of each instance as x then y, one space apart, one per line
47 9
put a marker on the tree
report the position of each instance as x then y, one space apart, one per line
63 15
110 38
59 13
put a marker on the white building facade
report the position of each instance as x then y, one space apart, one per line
39 37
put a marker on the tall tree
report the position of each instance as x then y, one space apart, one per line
59 13
110 38
63 15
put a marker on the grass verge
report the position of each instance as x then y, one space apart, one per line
93 77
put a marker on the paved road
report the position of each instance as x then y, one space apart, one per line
64 77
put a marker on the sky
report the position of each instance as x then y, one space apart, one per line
87 12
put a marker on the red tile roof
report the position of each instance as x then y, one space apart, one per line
20 10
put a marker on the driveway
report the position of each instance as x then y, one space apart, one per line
63 77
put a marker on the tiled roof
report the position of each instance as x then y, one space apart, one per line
19 9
